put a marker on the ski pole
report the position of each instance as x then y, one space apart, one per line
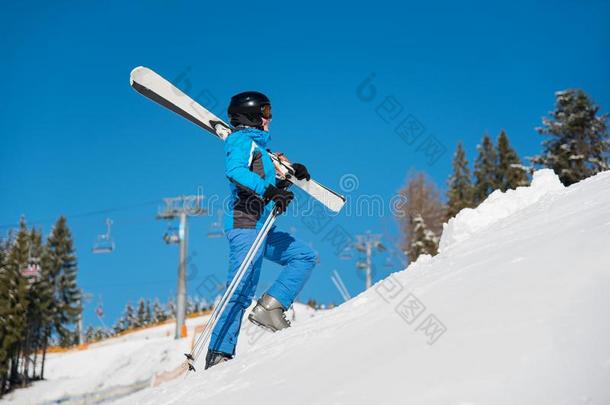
205 335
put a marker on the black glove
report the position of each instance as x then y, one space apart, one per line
300 172
283 184
280 197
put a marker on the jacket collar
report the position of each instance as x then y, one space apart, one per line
260 137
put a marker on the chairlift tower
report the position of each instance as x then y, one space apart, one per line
367 244
84 298
181 207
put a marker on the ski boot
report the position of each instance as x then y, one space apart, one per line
269 314
213 358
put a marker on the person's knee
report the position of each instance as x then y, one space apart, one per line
308 256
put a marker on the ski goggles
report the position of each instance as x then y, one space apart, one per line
266 111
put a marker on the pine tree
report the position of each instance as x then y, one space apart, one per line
485 170
424 241
197 307
579 143
90 335
130 319
460 191
63 271
189 306
45 290
5 312
39 315
170 310
100 334
140 318
14 298
148 314
4 302
158 312
510 174
119 326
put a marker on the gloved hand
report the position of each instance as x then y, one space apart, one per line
283 184
280 197
300 172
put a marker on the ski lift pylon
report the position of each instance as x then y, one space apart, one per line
104 242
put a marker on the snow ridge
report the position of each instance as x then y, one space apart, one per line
496 207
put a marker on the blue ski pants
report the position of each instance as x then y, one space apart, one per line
298 260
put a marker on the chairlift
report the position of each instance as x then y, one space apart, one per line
32 269
362 265
99 309
104 243
346 253
99 312
216 229
171 235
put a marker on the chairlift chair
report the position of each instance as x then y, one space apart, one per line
32 269
362 265
104 242
172 235
346 254
216 230
99 311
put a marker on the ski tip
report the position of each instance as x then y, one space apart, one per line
134 72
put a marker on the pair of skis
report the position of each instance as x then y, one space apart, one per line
151 85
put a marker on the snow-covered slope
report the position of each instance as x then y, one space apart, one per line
524 297
514 310
115 367
130 360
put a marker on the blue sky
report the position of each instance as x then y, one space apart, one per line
77 140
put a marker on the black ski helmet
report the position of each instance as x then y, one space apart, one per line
249 108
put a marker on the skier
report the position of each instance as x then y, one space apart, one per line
254 193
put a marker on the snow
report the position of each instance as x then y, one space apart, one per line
115 362
514 310
498 206
123 363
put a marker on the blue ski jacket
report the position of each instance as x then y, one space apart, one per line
250 171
